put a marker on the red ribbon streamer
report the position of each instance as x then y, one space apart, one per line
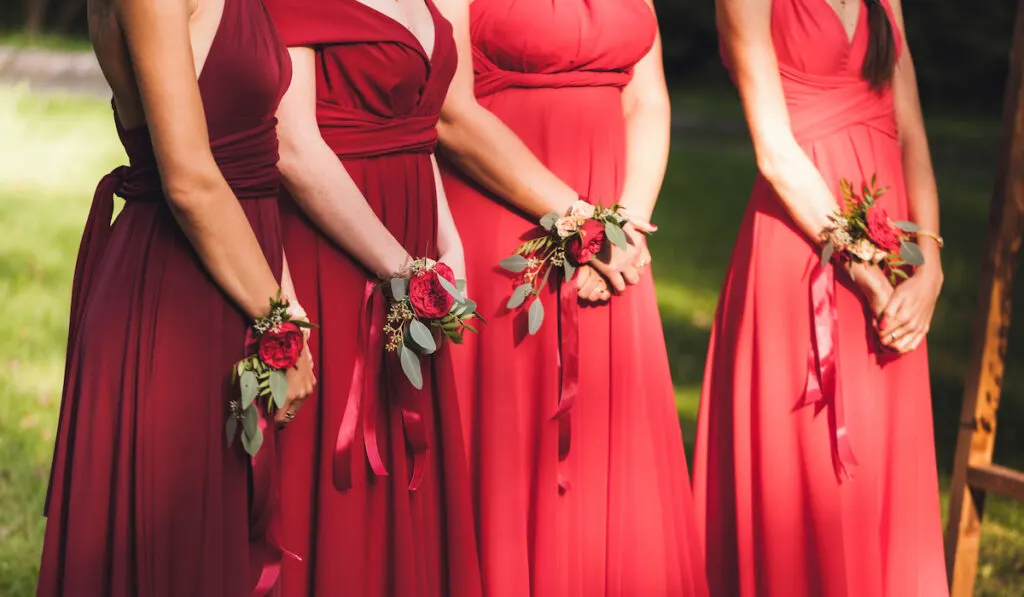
822 386
366 379
569 359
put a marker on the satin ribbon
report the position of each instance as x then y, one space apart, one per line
366 380
569 369
822 386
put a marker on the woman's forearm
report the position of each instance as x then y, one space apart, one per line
449 243
320 185
223 239
487 151
922 192
648 130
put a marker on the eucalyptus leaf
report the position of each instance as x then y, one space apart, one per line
519 295
514 263
470 328
548 221
250 421
452 290
570 269
421 335
911 253
906 226
470 307
461 285
250 387
616 235
827 252
231 428
535 316
411 366
399 288
252 444
278 387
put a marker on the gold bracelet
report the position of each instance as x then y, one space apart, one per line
933 236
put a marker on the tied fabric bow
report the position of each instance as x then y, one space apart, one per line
366 378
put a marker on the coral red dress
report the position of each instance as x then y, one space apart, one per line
797 399
409 533
597 501
146 498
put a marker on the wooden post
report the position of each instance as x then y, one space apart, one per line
974 475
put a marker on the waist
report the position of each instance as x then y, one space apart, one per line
492 81
247 160
355 134
819 107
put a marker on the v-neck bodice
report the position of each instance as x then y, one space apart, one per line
378 90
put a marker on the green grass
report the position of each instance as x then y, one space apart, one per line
61 43
53 150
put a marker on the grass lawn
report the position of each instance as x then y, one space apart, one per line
52 152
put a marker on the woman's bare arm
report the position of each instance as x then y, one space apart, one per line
648 115
319 182
745 30
483 146
159 42
908 314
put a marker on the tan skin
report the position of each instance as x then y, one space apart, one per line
484 148
321 185
151 52
744 26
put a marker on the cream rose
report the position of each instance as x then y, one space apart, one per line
566 226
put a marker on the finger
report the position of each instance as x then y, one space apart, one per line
904 342
599 291
640 224
900 326
583 275
605 296
617 282
631 275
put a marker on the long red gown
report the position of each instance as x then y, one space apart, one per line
146 498
379 95
608 512
781 516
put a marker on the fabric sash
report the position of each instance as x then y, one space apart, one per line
363 402
491 78
820 107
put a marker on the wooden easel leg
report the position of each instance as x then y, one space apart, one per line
975 441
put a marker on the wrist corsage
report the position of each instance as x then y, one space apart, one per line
273 345
563 243
862 232
424 299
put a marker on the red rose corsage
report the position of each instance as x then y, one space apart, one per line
273 345
424 299
862 232
562 243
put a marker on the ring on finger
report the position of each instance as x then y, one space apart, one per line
289 415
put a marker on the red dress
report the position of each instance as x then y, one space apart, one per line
146 498
609 511
410 533
794 403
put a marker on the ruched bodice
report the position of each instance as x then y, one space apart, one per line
378 90
574 43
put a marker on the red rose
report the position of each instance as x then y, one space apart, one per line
583 246
881 231
429 299
280 347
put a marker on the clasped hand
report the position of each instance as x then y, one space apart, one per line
903 314
612 270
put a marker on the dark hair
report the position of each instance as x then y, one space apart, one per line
880 60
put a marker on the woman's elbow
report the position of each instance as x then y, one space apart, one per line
190 193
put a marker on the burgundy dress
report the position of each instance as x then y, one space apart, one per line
814 472
146 498
595 502
409 533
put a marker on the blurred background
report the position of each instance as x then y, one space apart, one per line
57 138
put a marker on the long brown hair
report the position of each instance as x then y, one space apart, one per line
880 60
